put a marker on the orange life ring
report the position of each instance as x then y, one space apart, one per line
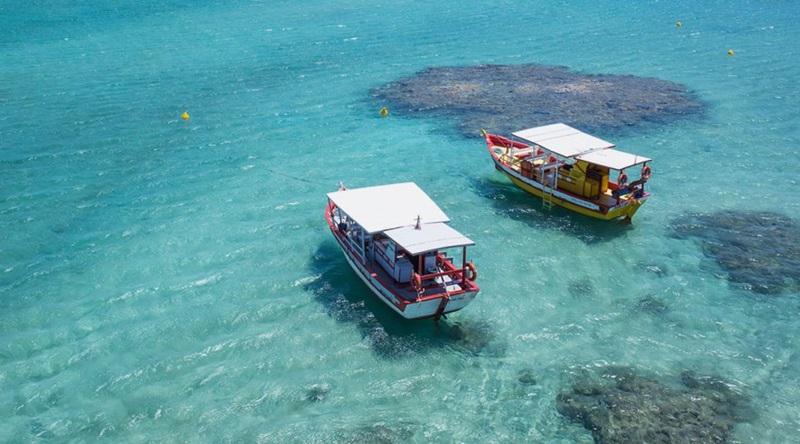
473 273
416 282
622 181
646 172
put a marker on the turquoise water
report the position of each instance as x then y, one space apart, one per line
164 280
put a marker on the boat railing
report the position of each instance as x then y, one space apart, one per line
458 276
441 260
510 159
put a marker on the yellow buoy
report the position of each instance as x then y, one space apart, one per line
730 52
678 24
384 111
185 115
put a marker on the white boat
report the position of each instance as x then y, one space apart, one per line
398 242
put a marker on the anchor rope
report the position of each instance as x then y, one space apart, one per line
300 179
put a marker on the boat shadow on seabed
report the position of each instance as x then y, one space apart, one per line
514 203
348 300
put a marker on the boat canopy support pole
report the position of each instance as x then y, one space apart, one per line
547 189
463 265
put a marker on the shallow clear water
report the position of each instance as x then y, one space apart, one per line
169 280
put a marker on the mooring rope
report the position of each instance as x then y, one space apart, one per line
300 179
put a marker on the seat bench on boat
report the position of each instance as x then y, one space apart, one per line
519 153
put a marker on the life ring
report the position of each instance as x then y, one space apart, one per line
473 273
646 172
622 181
416 282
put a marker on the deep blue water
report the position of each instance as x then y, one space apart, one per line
168 280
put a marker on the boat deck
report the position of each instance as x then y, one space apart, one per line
407 292
404 290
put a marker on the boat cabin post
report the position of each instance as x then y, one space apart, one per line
352 231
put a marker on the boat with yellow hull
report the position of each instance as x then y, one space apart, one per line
567 167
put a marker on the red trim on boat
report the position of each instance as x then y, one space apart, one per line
401 301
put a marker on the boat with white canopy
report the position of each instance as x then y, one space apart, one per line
399 243
572 169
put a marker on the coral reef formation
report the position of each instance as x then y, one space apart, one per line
759 250
621 406
505 98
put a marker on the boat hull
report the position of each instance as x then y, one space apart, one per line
563 200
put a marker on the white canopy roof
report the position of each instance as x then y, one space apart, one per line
613 159
428 238
562 139
385 207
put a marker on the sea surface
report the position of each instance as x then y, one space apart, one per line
173 280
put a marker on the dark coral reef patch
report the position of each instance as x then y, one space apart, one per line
505 98
620 406
759 250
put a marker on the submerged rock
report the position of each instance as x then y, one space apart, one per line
581 287
652 305
620 406
759 250
317 393
378 433
506 98
476 338
527 377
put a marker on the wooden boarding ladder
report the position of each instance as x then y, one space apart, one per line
547 190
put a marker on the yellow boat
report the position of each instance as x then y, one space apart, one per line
567 167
